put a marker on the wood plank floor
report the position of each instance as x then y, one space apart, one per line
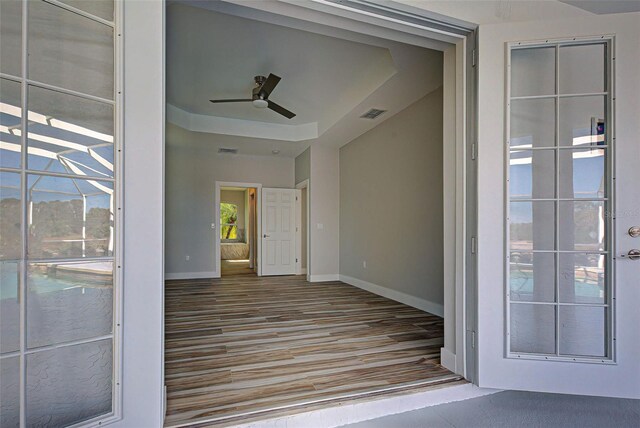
244 344
235 267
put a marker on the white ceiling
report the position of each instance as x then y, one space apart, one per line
213 55
604 7
483 12
329 78
499 11
177 136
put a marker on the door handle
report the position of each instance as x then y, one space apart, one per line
631 255
265 236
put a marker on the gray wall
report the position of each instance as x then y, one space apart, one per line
192 169
324 206
303 166
391 203
303 172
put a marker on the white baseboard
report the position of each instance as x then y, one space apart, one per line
346 413
191 275
323 278
398 296
448 359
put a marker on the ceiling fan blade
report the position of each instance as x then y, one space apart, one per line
268 86
233 100
279 109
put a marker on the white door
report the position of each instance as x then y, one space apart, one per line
278 231
564 315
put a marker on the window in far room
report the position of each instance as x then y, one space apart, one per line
228 222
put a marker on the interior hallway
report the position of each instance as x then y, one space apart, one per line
244 344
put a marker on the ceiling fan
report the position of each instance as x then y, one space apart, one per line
260 98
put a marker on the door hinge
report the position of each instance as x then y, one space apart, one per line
296 198
473 245
473 339
473 58
474 150
296 260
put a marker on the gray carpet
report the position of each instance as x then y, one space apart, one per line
519 409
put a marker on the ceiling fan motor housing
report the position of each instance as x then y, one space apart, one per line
256 90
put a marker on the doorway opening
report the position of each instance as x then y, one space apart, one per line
237 237
238 234
370 328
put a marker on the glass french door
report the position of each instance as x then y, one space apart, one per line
560 294
58 202
563 317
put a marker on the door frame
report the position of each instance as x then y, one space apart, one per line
216 225
407 24
304 184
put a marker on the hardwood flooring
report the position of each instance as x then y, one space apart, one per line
235 267
241 345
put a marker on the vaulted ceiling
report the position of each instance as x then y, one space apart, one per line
329 79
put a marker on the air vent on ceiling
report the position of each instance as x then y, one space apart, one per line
372 114
230 151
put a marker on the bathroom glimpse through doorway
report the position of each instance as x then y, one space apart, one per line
237 211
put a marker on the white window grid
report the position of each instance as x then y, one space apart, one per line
24 171
608 200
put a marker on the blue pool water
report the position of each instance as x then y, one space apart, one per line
38 283
524 285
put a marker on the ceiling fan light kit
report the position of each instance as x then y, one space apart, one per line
260 96
259 103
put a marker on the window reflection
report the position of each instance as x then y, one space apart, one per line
77 131
70 51
559 199
582 173
9 306
10 215
11 37
69 384
67 134
10 125
532 225
578 121
532 276
582 225
10 391
57 208
532 174
68 301
582 278
533 123
69 217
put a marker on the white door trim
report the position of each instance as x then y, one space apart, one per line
298 213
304 184
258 187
